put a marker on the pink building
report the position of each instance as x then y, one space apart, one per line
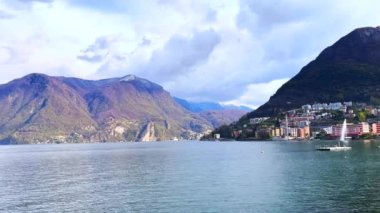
352 129
376 128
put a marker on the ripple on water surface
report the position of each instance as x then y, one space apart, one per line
188 177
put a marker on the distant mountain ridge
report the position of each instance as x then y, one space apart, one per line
216 114
349 70
207 106
39 108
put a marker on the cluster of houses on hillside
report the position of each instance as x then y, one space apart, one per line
303 123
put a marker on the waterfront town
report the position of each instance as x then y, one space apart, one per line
314 121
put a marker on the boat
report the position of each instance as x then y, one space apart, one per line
342 140
333 148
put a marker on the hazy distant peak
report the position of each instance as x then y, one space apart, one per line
207 106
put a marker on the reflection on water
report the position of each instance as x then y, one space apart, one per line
189 177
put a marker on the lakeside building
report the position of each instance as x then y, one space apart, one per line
327 106
319 106
306 107
297 121
328 130
303 133
236 133
352 129
372 110
217 136
376 128
293 132
348 103
253 121
277 132
312 119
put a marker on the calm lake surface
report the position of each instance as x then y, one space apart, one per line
189 177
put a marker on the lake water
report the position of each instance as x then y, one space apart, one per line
189 177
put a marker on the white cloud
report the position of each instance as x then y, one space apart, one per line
179 56
5 55
255 94
214 50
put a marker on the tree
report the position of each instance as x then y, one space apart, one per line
337 115
225 131
362 115
263 135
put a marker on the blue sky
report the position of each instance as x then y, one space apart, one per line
227 51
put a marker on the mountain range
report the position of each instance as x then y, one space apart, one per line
349 70
39 108
216 114
208 106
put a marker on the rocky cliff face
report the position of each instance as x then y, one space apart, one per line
148 133
39 108
349 70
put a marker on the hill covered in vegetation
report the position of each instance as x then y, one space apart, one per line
349 70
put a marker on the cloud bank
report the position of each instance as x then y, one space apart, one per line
215 50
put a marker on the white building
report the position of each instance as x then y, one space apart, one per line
349 103
257 120
319 106
335 106
328 130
